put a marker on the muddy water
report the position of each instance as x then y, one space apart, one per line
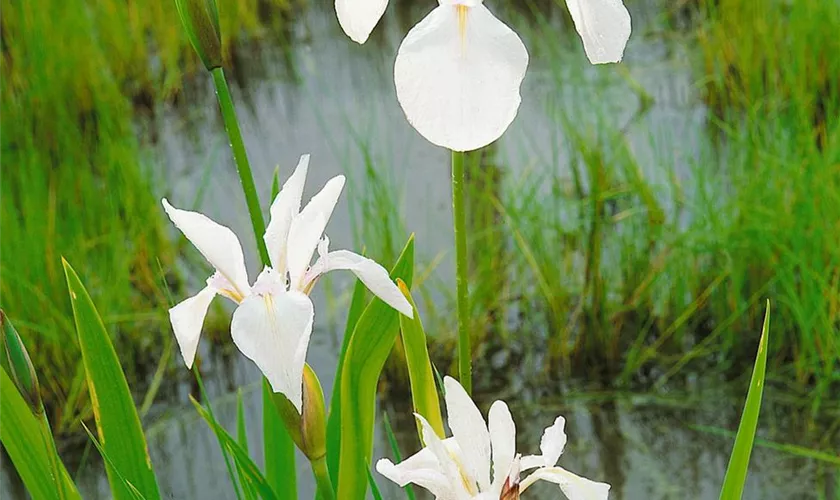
309 90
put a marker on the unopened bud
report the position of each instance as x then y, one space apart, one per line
201 22
309 428
17 363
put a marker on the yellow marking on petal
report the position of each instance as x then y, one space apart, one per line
469 484
462 24
233 295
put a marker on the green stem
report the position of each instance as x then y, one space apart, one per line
322 479
241 159
460 222
52 453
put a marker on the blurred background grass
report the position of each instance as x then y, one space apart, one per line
629 280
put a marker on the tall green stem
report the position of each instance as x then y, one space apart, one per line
322 479
460 222
241 159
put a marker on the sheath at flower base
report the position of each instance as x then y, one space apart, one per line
273 319
460 467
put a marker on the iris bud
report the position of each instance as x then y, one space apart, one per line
16 361
201 22
309 428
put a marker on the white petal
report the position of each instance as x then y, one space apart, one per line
553 441
374 276
470 430
216 243
421 469
273 331
283 210
187 318
358 17
503 441
604 27
458 78
442 451
573 486
307 228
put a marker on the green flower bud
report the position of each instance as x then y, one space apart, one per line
16 361
309 429
201 22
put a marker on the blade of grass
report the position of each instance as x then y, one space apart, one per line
423 390
248 470
117 422
369 347
126 483
739 460
242 439
22 437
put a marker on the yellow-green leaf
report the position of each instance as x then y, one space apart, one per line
117 423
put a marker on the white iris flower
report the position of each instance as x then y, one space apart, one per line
460 467
273 319
458 71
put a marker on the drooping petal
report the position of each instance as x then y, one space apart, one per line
457 75
459 487
572 485
374 276
503 441
421 469
604 27
273 331
283 210
187 318
306 229
358 17
470 430
216 243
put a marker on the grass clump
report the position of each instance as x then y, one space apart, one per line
75 181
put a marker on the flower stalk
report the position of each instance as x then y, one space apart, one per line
240 157
460 222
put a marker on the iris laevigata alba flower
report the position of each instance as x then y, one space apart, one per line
273 319
460 467
458 71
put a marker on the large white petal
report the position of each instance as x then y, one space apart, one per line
374 276
573 486
273 331
457 75
604 27
358 17
283 210
307 228
421 469
470 430
216 243
503 441
187 318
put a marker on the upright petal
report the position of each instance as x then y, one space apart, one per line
306 229
551 445
470 431
604 27
459 487
273 331
457 75
283 210
216 243
374 276
421 469
187 318
503 441
572 485
358 17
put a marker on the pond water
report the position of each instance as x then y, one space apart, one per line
309 90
